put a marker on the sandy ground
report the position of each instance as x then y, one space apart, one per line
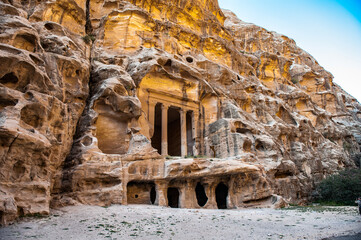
153 222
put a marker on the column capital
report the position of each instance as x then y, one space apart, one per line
152 102
164 129
164 106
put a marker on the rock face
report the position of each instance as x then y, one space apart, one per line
174 103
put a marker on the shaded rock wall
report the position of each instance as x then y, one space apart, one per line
81 81
44 76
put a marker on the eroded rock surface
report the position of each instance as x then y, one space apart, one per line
175 103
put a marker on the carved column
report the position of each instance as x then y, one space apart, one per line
190 200
151 116
165 129
195 122
161 188
183 122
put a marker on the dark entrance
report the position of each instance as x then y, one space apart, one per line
221 196
157 136
173 197
153 195
190 138
201 195
174 132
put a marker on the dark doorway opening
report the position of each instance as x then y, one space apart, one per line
173 197
153 195
190 138
140 193
201 195
174 132
20 211
157 135
221 196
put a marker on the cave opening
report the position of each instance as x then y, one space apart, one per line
141 193
189 59
174 132
201 195
173 197
9 78
20 211
49 26
153 195
221 196
157 135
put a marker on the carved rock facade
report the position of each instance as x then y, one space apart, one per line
175 103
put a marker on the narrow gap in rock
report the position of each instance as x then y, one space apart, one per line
88 24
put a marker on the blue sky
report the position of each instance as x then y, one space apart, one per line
330 30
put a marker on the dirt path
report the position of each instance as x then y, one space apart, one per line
152 222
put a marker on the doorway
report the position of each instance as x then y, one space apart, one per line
201 195
153 195
173 197
157 135
221 196
174 132
141 193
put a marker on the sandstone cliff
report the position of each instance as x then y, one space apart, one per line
174 103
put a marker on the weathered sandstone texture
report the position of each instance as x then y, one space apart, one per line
174 103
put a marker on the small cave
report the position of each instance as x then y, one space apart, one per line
168 63
283 174
33 115
247 146
221 196
26 42
4 102
141 193
9 79
20 212
243 130
49 26
201 195
1 217
260 146
189 59
173 197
